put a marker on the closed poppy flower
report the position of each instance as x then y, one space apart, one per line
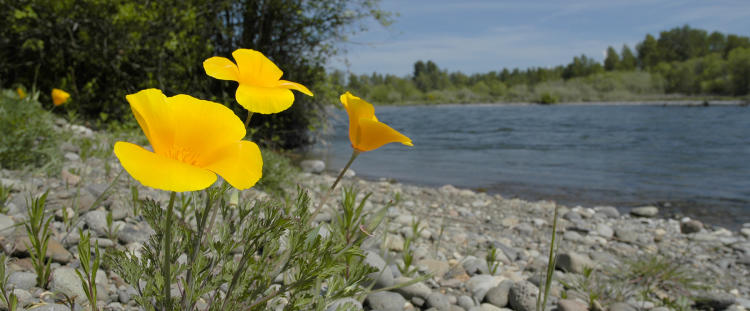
365 131
192 141
260 88
59 97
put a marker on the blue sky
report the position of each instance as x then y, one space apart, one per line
475 36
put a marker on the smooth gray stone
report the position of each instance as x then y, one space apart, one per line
438 301
498 295
522 296
385 301
347 303
645 211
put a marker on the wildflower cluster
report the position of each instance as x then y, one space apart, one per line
220 247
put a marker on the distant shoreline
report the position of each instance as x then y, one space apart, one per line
664 102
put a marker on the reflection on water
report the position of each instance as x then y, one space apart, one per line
691 160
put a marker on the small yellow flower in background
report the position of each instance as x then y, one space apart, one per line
193 140
260 89
59 97
21 93
365 131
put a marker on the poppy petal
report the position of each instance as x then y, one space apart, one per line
295 86
375 134
255 68
357 109
154 116
240 164
263 99
221 68
157 171
203 126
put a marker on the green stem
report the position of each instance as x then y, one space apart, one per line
167 250
249 116
355 153
323 200
541 301
197 242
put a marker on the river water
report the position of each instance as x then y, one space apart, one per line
692 161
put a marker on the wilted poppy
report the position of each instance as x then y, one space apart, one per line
260 89
365 131
59 97
192 141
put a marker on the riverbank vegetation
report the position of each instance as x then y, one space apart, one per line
680 63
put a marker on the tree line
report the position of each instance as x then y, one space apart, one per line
680 61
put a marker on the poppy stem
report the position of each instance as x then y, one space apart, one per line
355 153
247 121
323 200
167 254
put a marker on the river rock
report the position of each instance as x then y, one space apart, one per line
66 281
55 250
437 268
691 226
97 221
479 284
573 262
571 305
345 304
522 296
473 265
465 302
438 301
312 166
621 306
385 301
645 211
498 295
418 289
384 276
7 225
22 280
607 211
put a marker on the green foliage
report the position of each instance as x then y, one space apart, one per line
8 297
99 51
665 281
491 258
88 278
682 60
278 173
547 99
612 60
406 268
261 253
29 137
4 195
38 232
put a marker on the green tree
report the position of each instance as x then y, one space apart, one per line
717 42
612 61
648 53
739 70
628 61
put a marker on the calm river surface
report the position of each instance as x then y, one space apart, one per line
692 161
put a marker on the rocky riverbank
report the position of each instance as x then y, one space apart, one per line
639 262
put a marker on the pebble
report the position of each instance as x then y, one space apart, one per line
645 211
498 295
385 301
312 166
691 226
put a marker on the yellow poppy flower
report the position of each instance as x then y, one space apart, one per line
365 131
21 93
193 140
59 97
260 89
